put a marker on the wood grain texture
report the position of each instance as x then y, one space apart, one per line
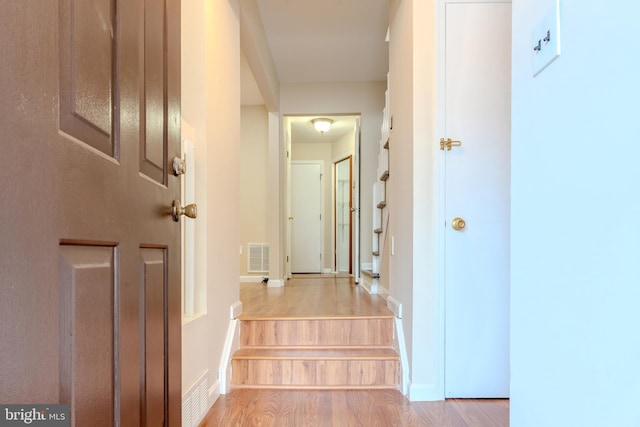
290 373
364 408
309 296
332 332
318 331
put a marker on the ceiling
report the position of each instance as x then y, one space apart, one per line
322 41
327 40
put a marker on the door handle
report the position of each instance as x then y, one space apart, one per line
448 143
190 210
458 224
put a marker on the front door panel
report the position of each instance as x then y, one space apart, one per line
89 253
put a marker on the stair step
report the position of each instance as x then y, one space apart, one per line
358 331
315 368
382 204
317 353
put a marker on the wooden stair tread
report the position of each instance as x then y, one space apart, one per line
250 317
317 387
291 353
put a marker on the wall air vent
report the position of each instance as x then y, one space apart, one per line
258 258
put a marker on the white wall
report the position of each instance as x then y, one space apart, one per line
575 282
366 99
343 147
253 180
410 191
210 90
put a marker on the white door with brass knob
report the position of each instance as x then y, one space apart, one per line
477 199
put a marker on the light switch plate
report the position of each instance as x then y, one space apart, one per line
545 39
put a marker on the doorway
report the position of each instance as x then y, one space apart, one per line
343 227
304 143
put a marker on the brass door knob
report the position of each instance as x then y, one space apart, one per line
458 224
176 210
448 143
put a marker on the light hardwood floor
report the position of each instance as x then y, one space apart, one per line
350 408
309 297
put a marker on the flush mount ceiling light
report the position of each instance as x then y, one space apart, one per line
322 124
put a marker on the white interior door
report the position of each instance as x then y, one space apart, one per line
477 112
306 210
288 198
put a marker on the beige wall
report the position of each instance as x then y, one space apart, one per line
343 147
253 181
210 89
410 190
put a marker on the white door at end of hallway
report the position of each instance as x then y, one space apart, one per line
306 213
477 113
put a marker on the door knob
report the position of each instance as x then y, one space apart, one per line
176 210
458 224
448 143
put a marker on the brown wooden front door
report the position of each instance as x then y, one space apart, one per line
89 254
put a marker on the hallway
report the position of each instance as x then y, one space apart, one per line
313 296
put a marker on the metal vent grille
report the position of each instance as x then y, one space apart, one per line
195 404
258 258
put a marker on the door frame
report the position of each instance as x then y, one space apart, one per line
335 213
439 186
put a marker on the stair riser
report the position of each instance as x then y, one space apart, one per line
314 332
316 373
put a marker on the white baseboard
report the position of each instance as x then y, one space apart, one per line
235 310
251 279
367 266
327 271
275 283
405 381
231 344
214 393
395 306
383 292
